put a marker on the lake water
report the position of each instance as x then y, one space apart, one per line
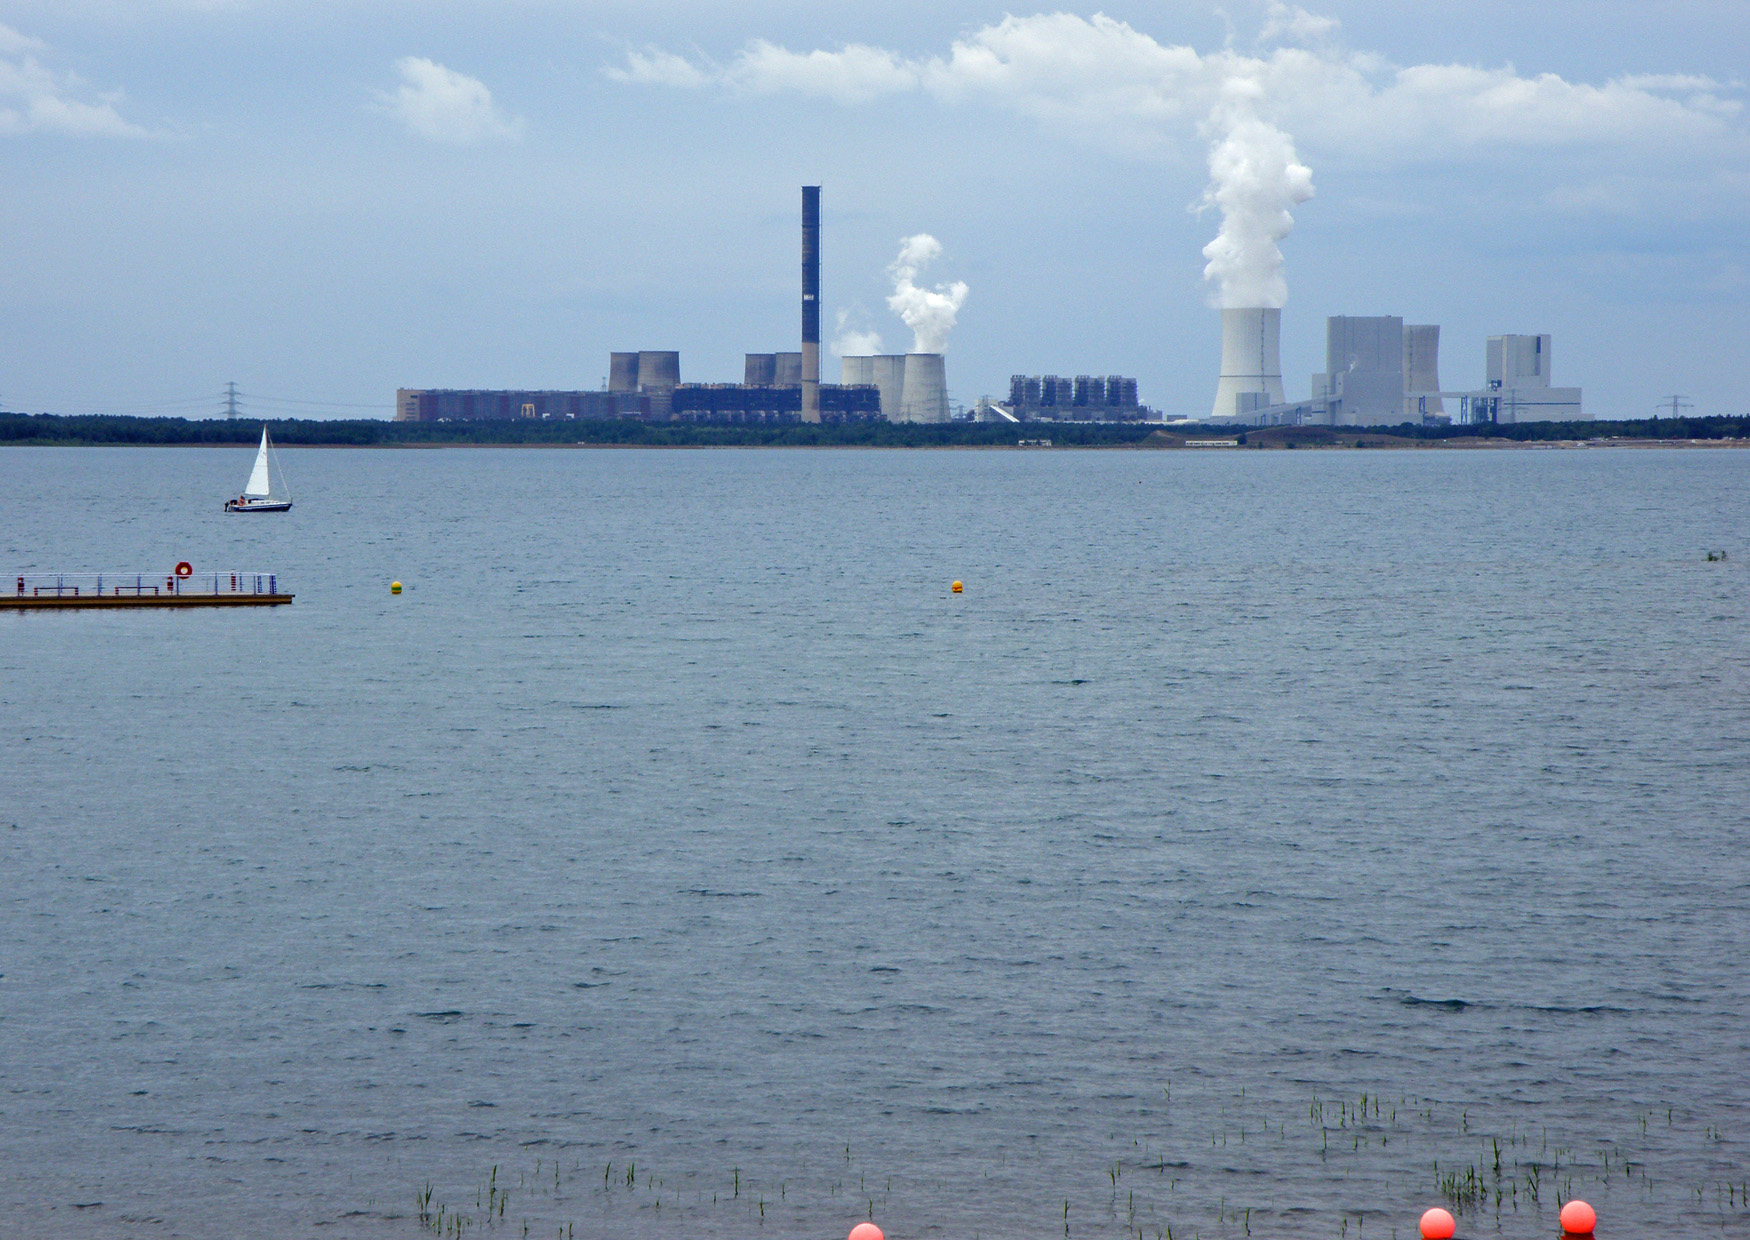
678 845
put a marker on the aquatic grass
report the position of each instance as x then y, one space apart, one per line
1227 1163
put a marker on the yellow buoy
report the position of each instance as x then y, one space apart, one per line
394 587
956 587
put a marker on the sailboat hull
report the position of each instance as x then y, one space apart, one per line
258 505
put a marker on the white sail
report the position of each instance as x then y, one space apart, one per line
258 484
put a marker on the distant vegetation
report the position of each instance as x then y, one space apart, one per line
46 428
1535 432
50 429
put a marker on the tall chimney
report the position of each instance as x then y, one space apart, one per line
811 303
1251 361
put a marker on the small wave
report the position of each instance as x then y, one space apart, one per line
1451 1005
1592 1010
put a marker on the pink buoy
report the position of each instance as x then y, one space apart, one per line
1579 1219
866 1231
1437 1224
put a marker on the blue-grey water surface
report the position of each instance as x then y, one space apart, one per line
680 846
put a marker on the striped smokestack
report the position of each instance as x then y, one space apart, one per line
811 303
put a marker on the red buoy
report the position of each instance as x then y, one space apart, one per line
866 1231
1437 1224
1578 1218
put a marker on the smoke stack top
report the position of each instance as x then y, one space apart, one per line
930 313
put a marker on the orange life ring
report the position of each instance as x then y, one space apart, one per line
185 569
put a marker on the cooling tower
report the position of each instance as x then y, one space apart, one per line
622 372
1421 370
925 395
787 369
811 303
887 372
1251 361
761 370
659 369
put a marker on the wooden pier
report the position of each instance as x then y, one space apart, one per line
181 587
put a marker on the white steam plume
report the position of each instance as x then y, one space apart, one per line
1255 178
852 341
930 313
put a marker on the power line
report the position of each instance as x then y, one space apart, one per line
1676 404
318 404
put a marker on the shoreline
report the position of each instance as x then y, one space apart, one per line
50 430
1223 445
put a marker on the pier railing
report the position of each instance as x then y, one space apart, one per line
136 585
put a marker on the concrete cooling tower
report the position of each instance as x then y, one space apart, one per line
1251 361
1421 371
914 386
926 389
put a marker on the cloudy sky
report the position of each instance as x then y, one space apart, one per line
324 200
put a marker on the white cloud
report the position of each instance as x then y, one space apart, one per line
858 74
12 43
1105 81
35 99
1291 23
657 67
445 106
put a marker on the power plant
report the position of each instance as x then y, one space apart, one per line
775 387
1380 371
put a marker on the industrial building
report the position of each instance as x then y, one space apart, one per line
913 386
469 405
1517 385
747 402
1085 398
646 386
776 387
1380 371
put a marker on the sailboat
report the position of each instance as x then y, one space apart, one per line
258 493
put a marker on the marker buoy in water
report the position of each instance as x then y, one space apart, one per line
1437 1224
866 1231
394 587
1578 1218
956 587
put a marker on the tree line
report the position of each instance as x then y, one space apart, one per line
56 429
